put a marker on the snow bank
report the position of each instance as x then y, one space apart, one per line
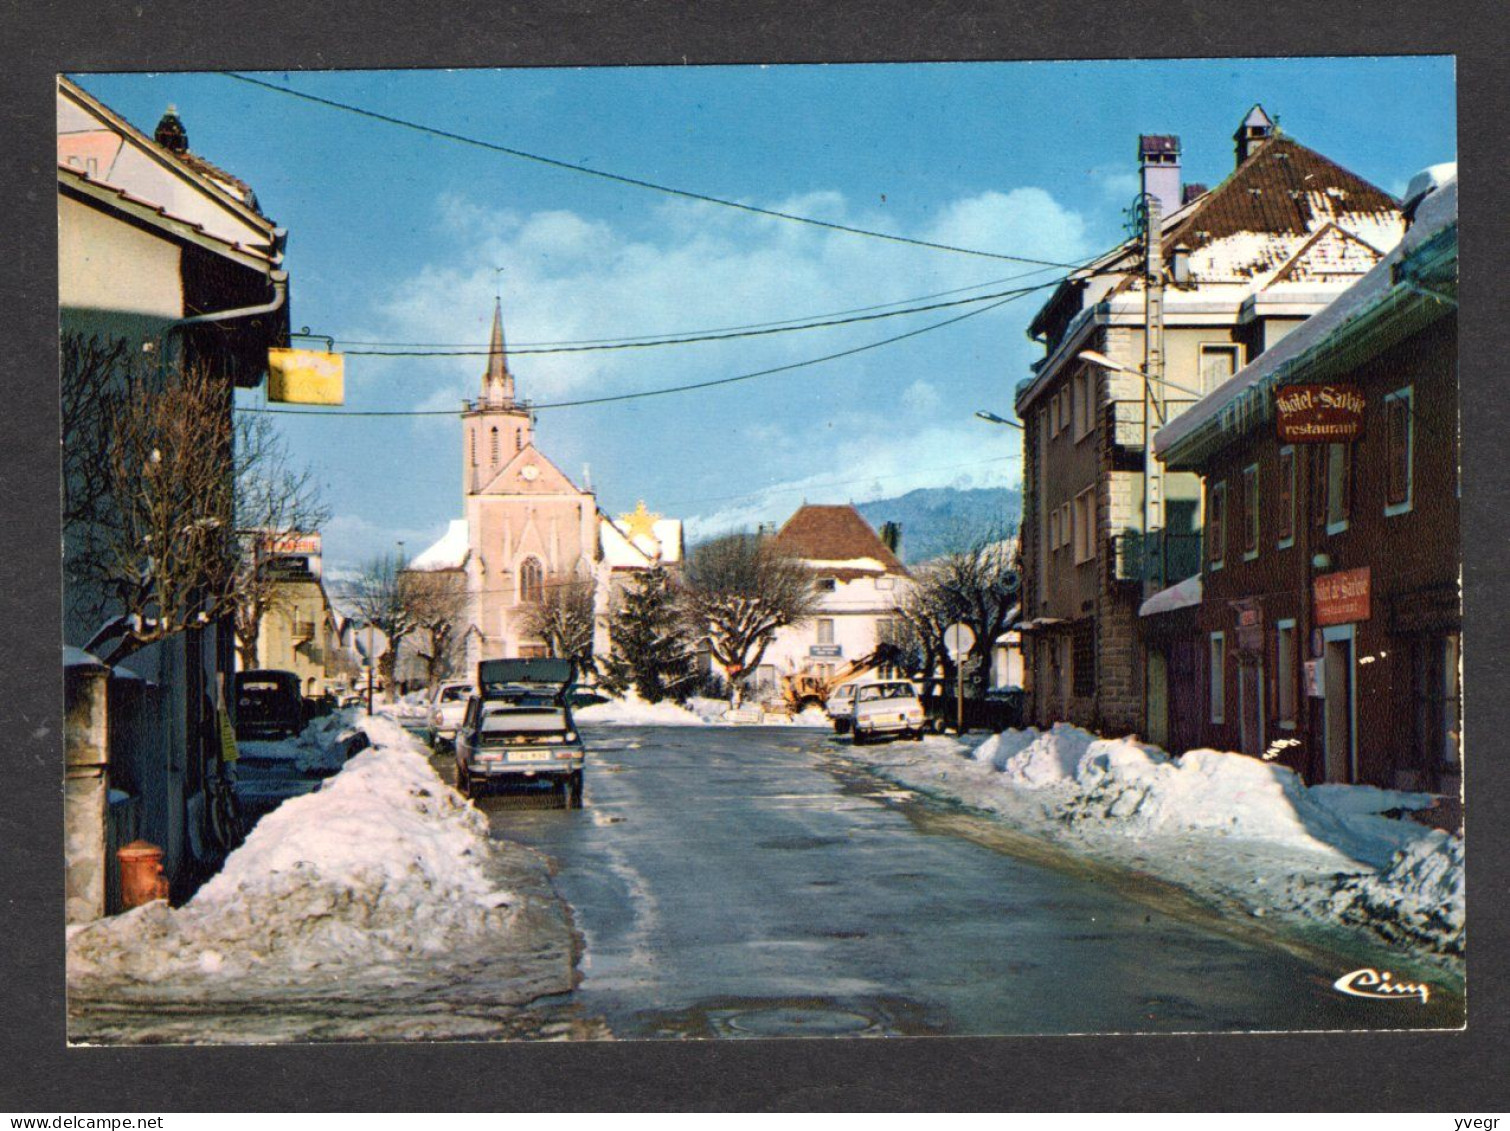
1215 820
321 747
380 876
632 711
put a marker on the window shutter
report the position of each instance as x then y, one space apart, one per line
1286 495
1397 426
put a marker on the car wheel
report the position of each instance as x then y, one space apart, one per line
464 780
859 739
574 791
917 735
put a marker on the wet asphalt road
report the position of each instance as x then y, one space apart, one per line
753 882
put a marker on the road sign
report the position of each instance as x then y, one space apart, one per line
958 638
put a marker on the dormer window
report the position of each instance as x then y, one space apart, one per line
827 584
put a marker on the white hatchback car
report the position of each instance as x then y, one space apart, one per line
840 707
447 708
886 707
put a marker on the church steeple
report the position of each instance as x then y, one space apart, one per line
497 382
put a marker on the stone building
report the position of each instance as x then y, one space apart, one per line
1243 264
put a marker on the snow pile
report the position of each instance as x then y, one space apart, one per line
1214 821
1418 898
320 748
632 711
378 876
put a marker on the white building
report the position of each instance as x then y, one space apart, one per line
859 580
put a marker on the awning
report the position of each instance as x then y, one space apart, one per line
1182 596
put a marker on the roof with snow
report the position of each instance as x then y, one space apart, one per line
1181 596
451 552
837 538
1239 236
1243 402
623 548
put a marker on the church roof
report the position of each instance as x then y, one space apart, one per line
515 477
450 552
498 365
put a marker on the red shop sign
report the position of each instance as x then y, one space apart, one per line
1342 598
1318 414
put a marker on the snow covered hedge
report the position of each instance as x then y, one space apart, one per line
383 875
1218 822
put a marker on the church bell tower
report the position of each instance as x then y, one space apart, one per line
496 426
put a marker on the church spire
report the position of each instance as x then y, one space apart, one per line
497 382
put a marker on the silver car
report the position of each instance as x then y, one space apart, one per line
519 728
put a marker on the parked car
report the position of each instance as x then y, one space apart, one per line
519 727
840 707
448 706
269 704
885 707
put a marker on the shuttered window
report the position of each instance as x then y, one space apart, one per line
1284 516
1250 511
1216 523
1399 450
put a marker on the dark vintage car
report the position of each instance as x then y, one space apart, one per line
269 704
518 728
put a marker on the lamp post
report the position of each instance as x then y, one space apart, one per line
992 418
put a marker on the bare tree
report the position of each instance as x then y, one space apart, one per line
275 500
916 629
977 586
379 596
740 590
564 618
152 537
438 605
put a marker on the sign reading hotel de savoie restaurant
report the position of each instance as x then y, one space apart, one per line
1318 414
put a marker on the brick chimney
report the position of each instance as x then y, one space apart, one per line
1159 161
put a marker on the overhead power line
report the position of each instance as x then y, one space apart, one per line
521 346
557 163
1011 297
710 337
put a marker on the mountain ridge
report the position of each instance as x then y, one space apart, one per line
941 520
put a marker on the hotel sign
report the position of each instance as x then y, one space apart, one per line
1319 414
1342 598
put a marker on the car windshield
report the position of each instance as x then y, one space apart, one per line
887 691
454 694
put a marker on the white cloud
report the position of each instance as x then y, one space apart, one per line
874 465
920 397
352 539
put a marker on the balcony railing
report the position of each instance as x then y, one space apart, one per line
1157 560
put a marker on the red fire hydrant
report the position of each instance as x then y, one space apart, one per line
142 878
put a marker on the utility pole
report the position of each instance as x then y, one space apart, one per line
1153 385
371 663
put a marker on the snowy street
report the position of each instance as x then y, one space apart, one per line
763 881
760 882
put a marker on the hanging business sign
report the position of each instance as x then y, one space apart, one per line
1342 597
1250 624
1318 414
306 377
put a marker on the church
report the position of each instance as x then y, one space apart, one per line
528 529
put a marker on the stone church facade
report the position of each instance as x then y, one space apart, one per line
528 528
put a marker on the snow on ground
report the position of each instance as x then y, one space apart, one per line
1225 824
319 747
632 711
379 895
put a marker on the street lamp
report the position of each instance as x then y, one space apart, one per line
1107 363
992 418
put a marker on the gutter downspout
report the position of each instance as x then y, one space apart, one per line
279 279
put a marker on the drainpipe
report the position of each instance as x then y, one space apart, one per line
279 279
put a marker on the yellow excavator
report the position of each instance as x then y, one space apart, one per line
810 688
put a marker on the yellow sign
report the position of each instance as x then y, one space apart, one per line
306 377
228 751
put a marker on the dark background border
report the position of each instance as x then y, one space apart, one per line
1386 1071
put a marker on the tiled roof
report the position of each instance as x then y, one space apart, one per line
235 185
835 534
1283 187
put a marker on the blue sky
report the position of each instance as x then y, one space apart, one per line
395 237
